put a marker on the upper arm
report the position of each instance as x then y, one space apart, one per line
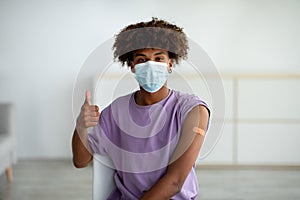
189 144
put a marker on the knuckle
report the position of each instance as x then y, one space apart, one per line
85 119
86 124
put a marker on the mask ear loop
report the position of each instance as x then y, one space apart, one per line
132 67
169 68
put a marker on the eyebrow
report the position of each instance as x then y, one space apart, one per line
158 53
161 52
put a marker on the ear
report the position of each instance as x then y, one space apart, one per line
132 66
171 63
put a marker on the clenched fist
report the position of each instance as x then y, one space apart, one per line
88 116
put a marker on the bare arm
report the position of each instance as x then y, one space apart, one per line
88 117
184 157
81 154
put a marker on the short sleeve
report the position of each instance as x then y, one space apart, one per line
188 102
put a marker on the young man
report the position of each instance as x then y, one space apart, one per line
152 135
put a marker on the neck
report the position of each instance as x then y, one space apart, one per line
144 98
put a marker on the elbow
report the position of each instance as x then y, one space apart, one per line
176 184
80 165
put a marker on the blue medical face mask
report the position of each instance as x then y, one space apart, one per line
151 75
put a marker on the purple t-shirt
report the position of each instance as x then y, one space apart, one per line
140 141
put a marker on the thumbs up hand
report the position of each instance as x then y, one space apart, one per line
89 114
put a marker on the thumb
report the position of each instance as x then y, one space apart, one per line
88 97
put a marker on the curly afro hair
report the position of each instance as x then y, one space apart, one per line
156 33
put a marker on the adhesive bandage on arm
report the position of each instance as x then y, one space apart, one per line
199 131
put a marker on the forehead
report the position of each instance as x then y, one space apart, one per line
150 52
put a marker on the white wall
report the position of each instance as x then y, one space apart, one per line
43 45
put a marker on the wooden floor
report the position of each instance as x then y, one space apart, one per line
59 180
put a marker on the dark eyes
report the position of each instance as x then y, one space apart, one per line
141 60
157 59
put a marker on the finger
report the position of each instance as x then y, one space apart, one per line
88 97
91 114
94 119
86 116
93 108
94 124
90 124
89 118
